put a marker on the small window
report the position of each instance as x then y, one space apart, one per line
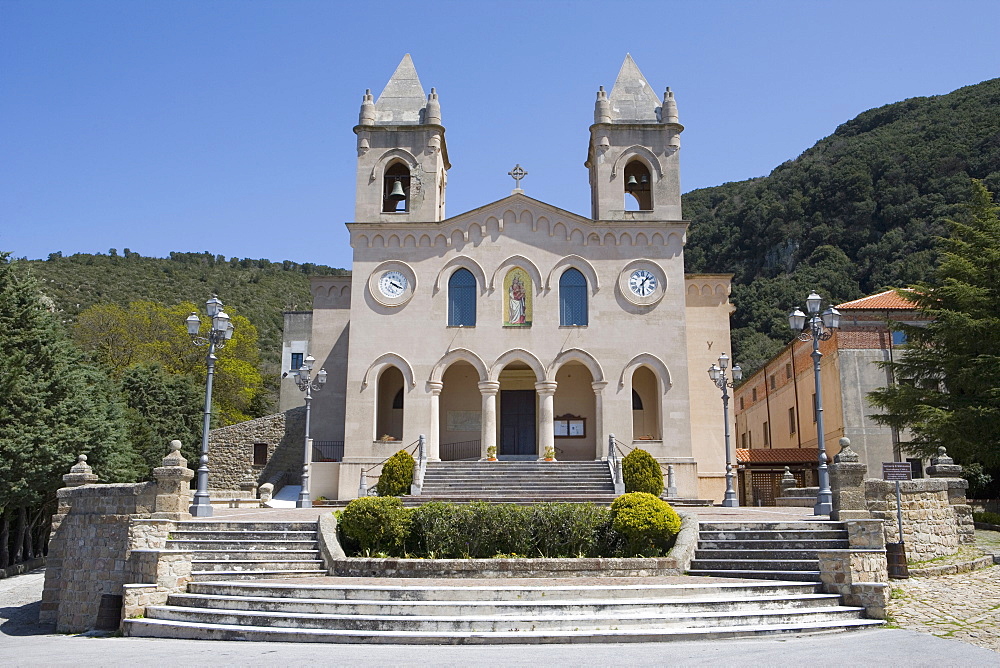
636 401
791 420
572 299
774 383
743 440
462 299
753 394
260 454
767 434
297 361
788 371
898 338
741 404
916 468
397 401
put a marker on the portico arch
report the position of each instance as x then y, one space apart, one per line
517 355
389 359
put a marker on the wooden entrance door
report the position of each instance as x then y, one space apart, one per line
517 422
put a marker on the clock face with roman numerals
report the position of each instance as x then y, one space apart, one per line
392 284
642 283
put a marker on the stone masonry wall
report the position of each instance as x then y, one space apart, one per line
931 525
230 451
88 550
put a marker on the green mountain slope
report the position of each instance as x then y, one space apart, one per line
257 289
854 214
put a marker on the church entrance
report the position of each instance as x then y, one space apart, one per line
517 422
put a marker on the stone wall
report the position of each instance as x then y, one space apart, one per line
105 537
230 451
932 526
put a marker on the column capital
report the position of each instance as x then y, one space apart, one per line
598 386
546 388
488 387
435 386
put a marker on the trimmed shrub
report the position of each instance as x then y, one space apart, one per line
377 523
986 517
569 529
477 530
641 473
397 475
647 523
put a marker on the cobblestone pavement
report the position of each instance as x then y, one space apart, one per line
963 607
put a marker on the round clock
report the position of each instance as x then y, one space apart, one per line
642 283
392 284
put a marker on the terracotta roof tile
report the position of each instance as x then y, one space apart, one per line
777 456
889 299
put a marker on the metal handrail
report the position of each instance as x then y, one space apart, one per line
363 489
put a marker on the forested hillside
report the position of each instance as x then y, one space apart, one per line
257 289
854 214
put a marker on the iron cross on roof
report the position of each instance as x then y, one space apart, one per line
517 174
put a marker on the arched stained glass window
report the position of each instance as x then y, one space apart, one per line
462 299
572 298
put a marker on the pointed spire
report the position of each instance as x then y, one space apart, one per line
632 99
403 99
367 115
432 113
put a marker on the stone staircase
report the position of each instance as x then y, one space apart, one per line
411 611
516 482
765 550
248 550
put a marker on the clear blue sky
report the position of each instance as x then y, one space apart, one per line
226 125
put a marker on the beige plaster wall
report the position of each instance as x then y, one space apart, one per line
575 396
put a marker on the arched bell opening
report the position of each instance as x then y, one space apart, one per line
396 189
389 409
638 187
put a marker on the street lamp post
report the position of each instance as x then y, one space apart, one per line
817 327
717 372
305 382
221 331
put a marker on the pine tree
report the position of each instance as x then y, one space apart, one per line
948 379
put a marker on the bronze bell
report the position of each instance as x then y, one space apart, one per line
645 180
631 184
397 191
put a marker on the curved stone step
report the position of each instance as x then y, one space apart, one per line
802 576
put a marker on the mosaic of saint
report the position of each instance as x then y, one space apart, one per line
517 305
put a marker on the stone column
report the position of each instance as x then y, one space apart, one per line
173 486
599 438
434 439
488 389
944 466
847 483
546 427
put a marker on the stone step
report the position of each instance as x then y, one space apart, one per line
782 536
795 525
215 576
778 555
242 545
510 607
234 535
522 489
801 576
802 544
254 555
157 628
220 525
405 589
240 564
518 500
777 563
493 624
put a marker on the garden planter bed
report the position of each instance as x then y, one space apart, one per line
500 568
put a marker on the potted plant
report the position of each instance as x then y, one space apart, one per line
491 453
550 454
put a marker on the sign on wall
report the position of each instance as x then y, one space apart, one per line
463 420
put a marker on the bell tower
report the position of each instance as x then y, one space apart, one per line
402 155
633 154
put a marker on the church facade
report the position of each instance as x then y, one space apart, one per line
517 325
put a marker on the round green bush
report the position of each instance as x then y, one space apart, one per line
397 475
646 522
377 523
641 473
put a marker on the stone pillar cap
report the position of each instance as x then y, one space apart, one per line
846 454
174 457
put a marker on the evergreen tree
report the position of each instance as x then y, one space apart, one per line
53 406
948 380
